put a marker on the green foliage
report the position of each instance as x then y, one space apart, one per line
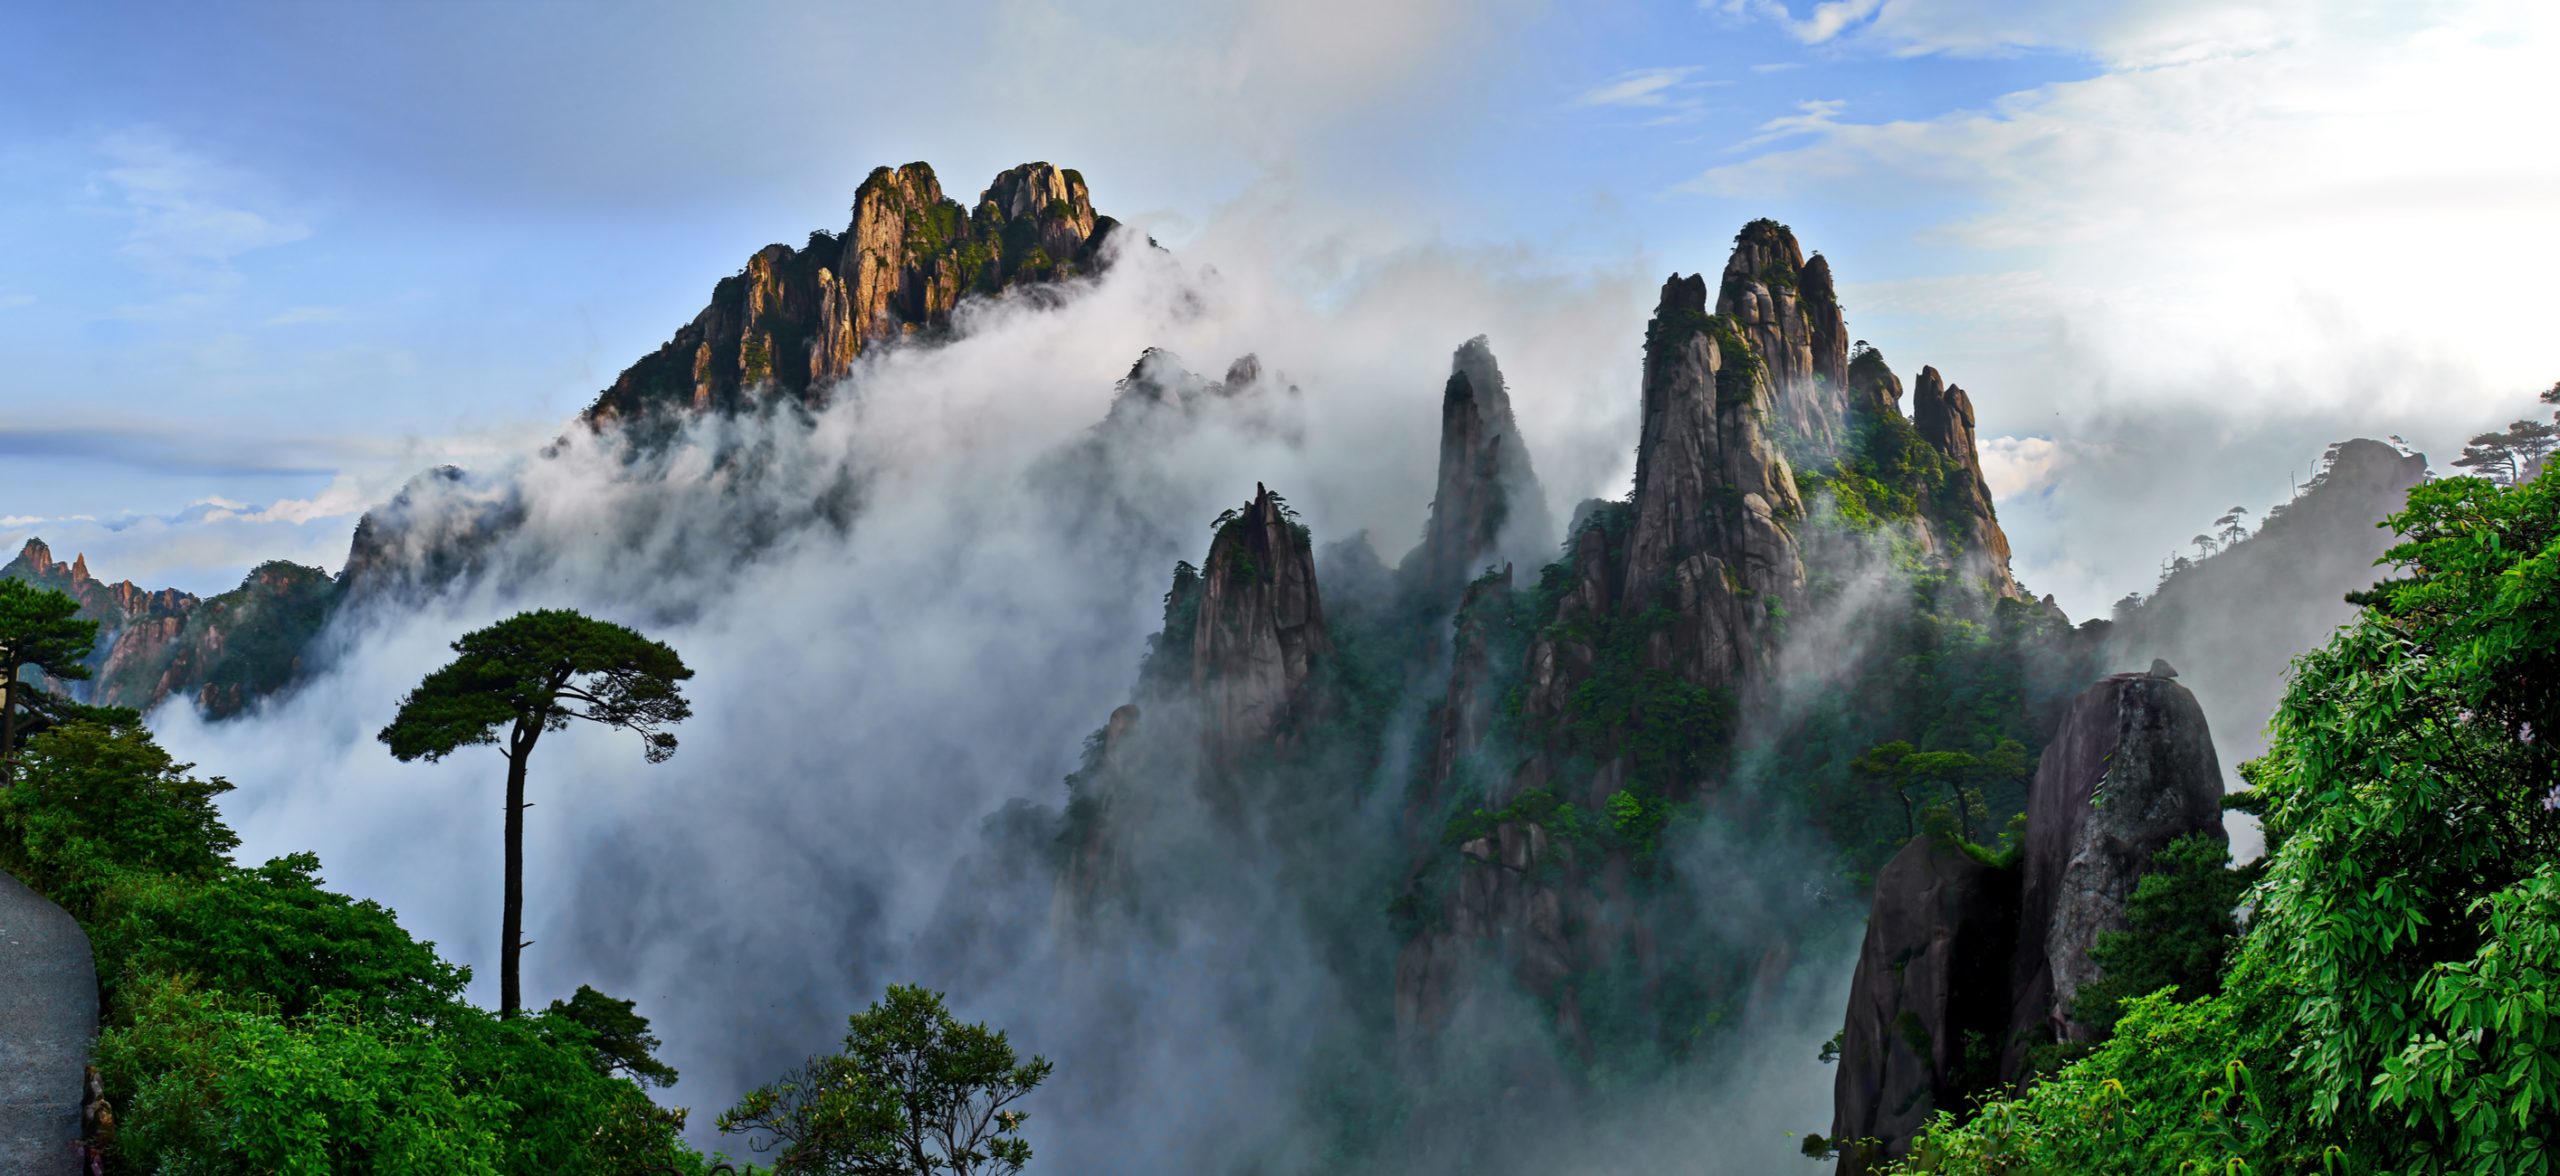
273 933
536 671
914 1092
2179 932
2389 1008
93 804
256 1022
618 1036
37 629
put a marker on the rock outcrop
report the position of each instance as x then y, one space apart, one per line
1969 967
2131 770
2233 620
1487 506
1943 416
1929 999
794 320
1714 498
1788 310
221 652
1260 630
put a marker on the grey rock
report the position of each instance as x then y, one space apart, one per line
2131 769
1933 970
1260 631
48 1022
1487 505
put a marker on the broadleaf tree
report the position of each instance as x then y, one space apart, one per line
525 676
915 1093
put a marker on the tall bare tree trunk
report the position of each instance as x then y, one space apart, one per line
511 925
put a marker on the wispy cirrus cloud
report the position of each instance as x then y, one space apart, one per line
1670 93
188 215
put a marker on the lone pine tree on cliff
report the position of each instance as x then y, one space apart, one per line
37 628
524 676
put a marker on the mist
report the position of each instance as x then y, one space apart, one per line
906 611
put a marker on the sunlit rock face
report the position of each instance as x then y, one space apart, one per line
1786 307
221 653
1943 416
794 319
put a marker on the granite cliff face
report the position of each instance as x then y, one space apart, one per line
2234 620
1943 416
222 653
1487 504
1786 307
1969 965
1260 629
2131 770
1930 992
793 320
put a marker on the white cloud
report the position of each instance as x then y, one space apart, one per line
2124 33
2018 466
1638 87
300 315
189 215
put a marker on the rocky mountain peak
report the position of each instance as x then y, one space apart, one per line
1714 499
1260 631
1488 503
793 320
36 558
1787 308
1943 416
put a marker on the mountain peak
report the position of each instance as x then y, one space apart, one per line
793 320
1786 307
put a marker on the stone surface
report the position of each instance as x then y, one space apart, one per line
1487 506
2131 769
1931 983
794 320
221 652
1786 307
1260 630
48 1022
1714 500
1943 415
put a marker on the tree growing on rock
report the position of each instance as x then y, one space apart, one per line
915 1093
38 628
520 678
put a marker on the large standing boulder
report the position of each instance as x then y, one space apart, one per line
48 1021
1929 999
2131 770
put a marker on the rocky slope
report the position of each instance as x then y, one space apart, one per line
222 652
1968 965
794 320
2234 620
1786 307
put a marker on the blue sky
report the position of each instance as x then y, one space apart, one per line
260 262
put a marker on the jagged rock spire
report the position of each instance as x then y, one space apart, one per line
1488 504
1714 499
1943 416
1786 307
1261 630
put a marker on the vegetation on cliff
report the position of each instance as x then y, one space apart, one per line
2387 1007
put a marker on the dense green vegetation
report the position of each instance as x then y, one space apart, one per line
257 1022
2389 1007
914 1091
